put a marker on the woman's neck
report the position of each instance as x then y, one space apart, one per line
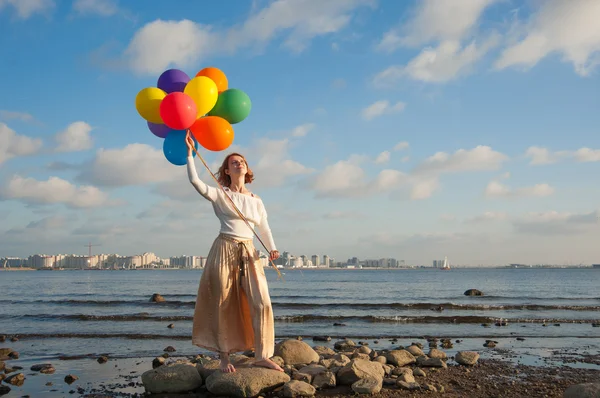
237 186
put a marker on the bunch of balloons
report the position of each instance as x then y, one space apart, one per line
203 105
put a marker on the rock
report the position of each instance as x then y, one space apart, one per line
102 359
313 370
40 366
2 366
158 361
400 357
14 339
48 370
301 377
419 372
16 379
278 360
404 374
425 362
4 389
365 350
344 345
325 351
381 359
13 355
70 379
296 352
429 387
176 378
170 326
586 390
435 353
169 349
489 344
408 386
367 386
358 355
4 352
157 298
468 358
321 338
473 292
2 338
297 388
245 382
359 369
324 380
415 351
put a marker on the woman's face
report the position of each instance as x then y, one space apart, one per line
236 165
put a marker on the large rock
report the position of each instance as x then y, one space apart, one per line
245 382
400 357
586 390
468 358
360 369
297 388
295 352
176 378
473 292
367 386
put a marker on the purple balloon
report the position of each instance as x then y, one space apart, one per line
173 80
159 130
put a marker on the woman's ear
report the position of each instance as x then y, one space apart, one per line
226 171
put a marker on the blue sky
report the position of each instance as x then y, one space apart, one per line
410 129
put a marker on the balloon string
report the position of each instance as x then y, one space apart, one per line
237 210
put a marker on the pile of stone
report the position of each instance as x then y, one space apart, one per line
307 370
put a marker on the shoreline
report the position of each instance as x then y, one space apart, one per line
505 370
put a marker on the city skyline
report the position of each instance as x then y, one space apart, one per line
383 129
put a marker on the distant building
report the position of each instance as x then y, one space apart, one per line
596 266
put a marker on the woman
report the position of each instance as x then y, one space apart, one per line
233 308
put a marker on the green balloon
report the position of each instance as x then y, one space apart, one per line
233 105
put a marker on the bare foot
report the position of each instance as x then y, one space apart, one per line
226 366
267 363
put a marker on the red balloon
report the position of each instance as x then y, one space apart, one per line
213 133
178 110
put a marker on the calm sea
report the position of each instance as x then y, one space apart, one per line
72 313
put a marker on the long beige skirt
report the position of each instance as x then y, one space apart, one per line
233 307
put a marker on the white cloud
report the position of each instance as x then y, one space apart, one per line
54 190
338 83
556 223
383 157
380 108
487 216
12 144
302 130
338 215
451 25
480 158
76 137
566 28
436 20
162 44
27 8
540 155
135 164
497 190
424 188
448 61
104 8
10 115
401 146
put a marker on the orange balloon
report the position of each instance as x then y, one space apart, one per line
217 76
213 133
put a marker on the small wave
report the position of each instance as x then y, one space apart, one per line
422 319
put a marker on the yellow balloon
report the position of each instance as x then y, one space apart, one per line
147 103
204 92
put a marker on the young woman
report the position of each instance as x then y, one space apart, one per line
233 308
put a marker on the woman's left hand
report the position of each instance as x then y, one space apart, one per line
274 255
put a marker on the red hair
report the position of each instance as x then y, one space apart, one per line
224 178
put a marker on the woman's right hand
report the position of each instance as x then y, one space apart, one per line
189 141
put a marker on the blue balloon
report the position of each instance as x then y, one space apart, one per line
175 148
